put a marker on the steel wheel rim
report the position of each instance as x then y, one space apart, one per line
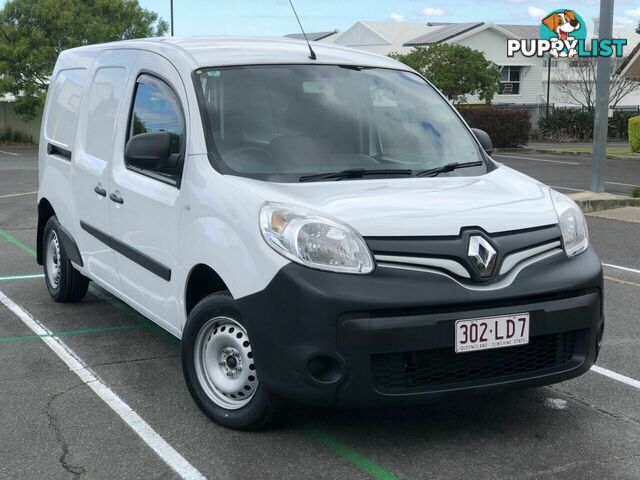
224 363
53 260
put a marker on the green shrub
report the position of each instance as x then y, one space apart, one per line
535 134
507 127
635 193
567 125
11 135
576 125
618 125
634 134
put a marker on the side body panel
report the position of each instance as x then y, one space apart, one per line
145 226
57 134
93 154
219 222
220 228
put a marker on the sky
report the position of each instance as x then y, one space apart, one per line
274 17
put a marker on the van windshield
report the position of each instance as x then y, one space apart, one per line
286 122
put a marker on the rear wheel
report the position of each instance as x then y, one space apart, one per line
219 367
64 282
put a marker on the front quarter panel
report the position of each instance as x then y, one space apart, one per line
220 229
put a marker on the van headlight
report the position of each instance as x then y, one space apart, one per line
573 225
314 240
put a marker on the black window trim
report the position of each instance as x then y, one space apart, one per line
147 173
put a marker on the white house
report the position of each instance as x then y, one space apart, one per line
523 80
631 66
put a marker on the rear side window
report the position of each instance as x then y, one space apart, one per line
156 108
65 96
103 102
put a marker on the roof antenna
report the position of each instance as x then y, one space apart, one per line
313 54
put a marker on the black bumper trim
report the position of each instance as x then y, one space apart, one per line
304 313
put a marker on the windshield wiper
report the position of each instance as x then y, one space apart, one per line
354 173
449 167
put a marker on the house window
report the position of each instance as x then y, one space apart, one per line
510 80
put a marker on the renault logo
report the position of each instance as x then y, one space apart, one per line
482 255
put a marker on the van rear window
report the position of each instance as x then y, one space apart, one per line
102 109
65 95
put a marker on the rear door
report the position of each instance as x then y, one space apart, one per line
92 156
145 205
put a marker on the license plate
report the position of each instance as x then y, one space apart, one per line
492 332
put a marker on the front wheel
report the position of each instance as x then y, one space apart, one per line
219 368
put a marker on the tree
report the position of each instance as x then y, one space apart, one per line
457 71
34 32
638 28
577 84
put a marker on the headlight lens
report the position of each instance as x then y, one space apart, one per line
573 225
313 240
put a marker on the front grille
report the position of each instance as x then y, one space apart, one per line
430 368
450 254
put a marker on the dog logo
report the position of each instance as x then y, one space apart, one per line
564 24
563 34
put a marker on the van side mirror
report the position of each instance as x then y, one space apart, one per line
148 151
484 139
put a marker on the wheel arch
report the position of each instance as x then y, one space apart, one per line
201 281
45 212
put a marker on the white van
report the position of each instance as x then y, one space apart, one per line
327 230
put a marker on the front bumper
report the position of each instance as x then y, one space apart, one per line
387 338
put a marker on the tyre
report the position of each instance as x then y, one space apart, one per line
64 282
218 366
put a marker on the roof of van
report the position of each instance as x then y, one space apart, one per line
227 51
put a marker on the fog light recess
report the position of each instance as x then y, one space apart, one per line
325 369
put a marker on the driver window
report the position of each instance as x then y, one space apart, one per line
156 108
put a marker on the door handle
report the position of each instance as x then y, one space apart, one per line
100 191
115 198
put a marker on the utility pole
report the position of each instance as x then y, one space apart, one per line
601 120
548 83
172 18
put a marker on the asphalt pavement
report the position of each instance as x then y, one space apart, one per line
58 423
572 173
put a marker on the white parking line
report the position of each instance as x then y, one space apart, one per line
9 153
165 451
22 277
567 188
616 376
17 194
537 159
626 269
623 184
